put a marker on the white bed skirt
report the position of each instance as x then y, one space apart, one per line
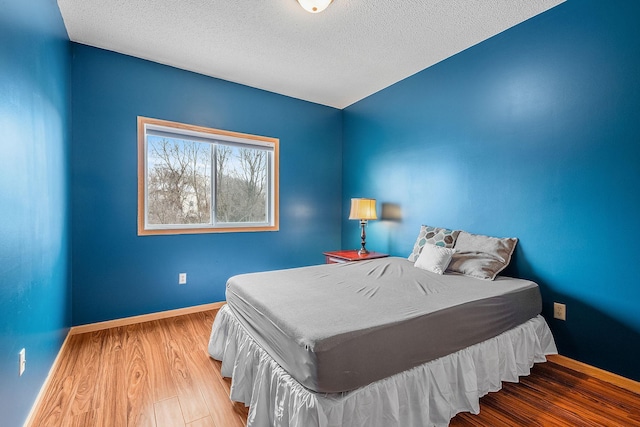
427 395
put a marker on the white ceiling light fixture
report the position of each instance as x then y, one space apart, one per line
314 6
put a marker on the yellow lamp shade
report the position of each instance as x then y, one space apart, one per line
363 209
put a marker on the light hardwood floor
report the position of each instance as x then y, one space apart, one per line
158 374
151 374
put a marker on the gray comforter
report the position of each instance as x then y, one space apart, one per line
338 327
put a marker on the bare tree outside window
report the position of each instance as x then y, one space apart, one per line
179 181
240 185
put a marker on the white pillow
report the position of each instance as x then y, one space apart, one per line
434 258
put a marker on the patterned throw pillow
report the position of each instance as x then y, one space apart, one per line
442 237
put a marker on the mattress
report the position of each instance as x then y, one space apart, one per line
338 327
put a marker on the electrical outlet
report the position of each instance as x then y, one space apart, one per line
559 311
22 361
182 278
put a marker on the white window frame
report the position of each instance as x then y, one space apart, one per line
148 126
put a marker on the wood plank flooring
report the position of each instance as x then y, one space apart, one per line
159 374
151 374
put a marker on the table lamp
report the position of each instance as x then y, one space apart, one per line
363 210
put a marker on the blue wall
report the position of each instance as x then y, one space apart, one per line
117 273
35 310
534 133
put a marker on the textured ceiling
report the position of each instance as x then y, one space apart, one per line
351 50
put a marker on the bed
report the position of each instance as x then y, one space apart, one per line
373 343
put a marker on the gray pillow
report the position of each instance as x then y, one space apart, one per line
481 256
442 237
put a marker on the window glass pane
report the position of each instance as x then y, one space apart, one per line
178 181
241 184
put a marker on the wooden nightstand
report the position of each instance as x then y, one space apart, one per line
336 257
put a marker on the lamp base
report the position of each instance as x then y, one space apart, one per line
363 238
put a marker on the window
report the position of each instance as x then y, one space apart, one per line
193 179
